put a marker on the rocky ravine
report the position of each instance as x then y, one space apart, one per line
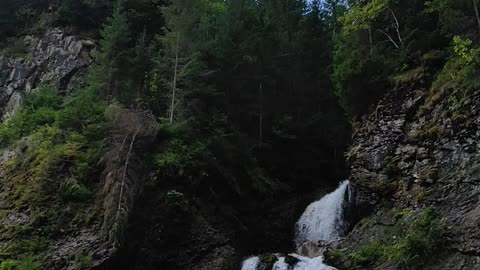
207 226
61 60
412 152
55 58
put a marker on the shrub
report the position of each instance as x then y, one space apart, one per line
366 255
391 165
61 150
411 242
39 109
28 262
83 111
9 265
179 155
71 190
82 262
422 196
463 51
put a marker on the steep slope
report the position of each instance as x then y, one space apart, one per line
415 168
36 218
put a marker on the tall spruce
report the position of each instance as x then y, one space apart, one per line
104 75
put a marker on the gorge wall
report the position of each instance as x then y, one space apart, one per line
417 149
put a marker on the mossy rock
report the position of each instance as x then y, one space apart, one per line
268 260
391 165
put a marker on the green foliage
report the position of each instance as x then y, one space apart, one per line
105 75
179 156
71 190
83 262
268 260
359 76
353 152
429 132
455 17
63 130
55 168
412 242
39 109
435 6
422 196
335 255
462 49
458 76
82 15
360 17
28 262
9 265
367 254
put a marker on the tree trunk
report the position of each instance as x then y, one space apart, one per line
370 38
123 184
475 6
390 39
172 105
397 28
142 75
110 75
260 120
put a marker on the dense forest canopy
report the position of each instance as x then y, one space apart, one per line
352 46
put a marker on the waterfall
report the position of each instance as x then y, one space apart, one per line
280 264
251 263
304 263
323 219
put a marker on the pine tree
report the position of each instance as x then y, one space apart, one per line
181 61
104 75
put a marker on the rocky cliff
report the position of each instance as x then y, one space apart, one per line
32 217
53 58
417 151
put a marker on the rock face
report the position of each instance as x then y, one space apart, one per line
61 60
412 153
54 58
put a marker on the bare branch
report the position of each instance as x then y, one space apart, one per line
389 38
397 28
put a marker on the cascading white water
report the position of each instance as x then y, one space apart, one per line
251 263
323 219
304 263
